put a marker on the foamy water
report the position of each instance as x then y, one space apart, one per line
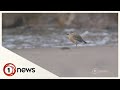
13 39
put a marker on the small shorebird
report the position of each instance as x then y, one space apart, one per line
75 38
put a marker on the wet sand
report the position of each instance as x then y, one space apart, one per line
75 62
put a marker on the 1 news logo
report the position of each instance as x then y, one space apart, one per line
10 69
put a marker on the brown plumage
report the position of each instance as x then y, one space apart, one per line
75 38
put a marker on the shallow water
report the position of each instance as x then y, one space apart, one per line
20 38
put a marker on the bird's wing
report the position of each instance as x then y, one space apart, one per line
77 37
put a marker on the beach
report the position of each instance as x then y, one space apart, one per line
98 61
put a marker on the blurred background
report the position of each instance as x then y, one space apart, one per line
36 30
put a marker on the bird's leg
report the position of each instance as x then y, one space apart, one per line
76 44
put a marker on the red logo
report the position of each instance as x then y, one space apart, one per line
9 69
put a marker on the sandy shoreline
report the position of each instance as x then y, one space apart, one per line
75 62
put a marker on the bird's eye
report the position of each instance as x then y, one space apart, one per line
72 32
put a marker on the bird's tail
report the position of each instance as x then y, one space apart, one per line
85 42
